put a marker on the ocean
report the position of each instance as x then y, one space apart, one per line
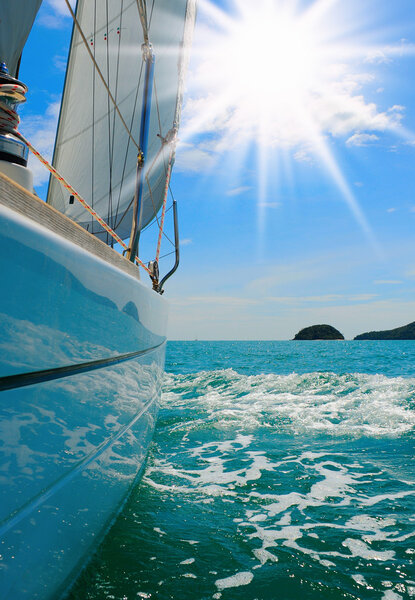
279 470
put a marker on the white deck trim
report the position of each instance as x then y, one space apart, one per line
23 202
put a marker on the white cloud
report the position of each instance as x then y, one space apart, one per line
334 106
396 108
362 297
60 7
60 62
304 299
334 111
280 275
391 210
233 318
387 282
238 190
298 114
186 242
40 130
229 301
303 155
191 157
358 183
54 14
323 299
385 54
378 57
361 139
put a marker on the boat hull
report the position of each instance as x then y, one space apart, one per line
81 370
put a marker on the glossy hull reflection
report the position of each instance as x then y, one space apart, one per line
81 369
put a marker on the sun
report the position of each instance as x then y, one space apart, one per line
269 58
267 64
288 77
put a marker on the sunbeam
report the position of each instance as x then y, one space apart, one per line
289 79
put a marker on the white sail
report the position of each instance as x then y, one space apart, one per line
16 20
93 149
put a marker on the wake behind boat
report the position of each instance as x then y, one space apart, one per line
82 337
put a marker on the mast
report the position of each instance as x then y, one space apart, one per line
98 139
148 56
149 59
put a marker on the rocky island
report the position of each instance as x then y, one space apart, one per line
406 332
319 332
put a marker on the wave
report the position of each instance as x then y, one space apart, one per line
350 405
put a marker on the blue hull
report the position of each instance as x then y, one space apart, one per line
80 372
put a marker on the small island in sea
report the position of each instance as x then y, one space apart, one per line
319 332
406 332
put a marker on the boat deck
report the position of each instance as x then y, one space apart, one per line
23 202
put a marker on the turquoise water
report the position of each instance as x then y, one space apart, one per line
279 470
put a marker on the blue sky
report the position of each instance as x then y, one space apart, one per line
295 170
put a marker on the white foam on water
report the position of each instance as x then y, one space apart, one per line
332 482
260 517
381 497
391 595
187 561
241 441
336 405
242 578
313 504
360 549
368 523
214 478
327 563
360 580
374 527
264 556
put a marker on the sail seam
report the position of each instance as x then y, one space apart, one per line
114 217
126 156
93 124
110 148
81 33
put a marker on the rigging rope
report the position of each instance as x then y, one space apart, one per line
163 212
81 33
142 11
9 121
72 190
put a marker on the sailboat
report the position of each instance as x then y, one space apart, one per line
82 335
